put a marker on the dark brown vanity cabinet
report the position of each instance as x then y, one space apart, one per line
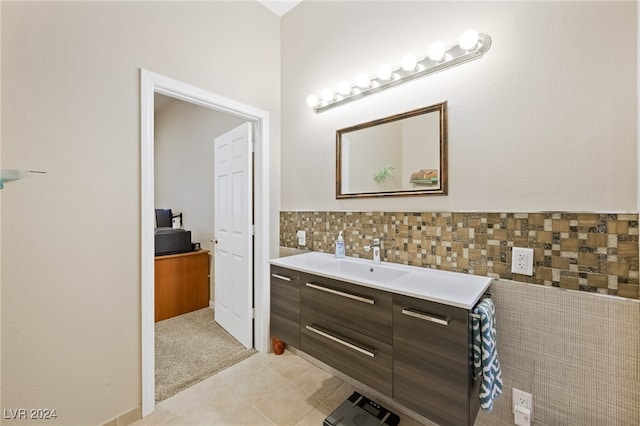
413 350
285 305
432 366
349 327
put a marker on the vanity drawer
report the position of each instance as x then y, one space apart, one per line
285 305
443 329
363 358
358 308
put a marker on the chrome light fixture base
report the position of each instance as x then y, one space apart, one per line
453 56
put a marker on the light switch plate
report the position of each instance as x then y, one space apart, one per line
302 238
522 261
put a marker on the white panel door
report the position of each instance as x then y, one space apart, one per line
234 233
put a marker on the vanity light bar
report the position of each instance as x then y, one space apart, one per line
470 46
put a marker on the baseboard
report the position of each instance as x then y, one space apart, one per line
126 418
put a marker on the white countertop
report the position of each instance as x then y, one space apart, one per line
450 288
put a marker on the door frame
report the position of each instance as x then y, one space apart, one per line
151 83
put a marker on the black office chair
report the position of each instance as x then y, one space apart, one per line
163 218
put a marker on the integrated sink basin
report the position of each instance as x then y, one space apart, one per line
450 288
361 271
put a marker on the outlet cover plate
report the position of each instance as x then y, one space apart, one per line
302 238
523 399
522 261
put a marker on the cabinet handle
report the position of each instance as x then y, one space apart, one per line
281 277
324 333
341 293
427 317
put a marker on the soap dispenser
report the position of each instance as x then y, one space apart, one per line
340 246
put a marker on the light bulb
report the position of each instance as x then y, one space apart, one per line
436 51
409 62
468 39
363 81
384 72
312 101
344 88
327 95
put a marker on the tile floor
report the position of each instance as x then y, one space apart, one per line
265 389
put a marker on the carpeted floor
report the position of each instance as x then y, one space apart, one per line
190 348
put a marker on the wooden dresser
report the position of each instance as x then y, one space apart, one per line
181 283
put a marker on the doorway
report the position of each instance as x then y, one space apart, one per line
152 83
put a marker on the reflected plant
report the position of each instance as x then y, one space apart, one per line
380 177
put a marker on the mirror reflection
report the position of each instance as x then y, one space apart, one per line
404 154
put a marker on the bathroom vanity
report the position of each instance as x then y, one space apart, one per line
403 331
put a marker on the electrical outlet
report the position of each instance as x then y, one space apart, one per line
522 261
524 400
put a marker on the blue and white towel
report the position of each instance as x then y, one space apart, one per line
485 354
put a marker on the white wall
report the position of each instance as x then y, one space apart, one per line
184 135
551 107
0 209
71 238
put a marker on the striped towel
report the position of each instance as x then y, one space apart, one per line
485 354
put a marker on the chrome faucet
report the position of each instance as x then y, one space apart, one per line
376 249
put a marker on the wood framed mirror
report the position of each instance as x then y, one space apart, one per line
401 155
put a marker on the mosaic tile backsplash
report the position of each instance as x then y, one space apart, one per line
595 252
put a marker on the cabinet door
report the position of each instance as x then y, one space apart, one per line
285 305
365 359
431 360
358 308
